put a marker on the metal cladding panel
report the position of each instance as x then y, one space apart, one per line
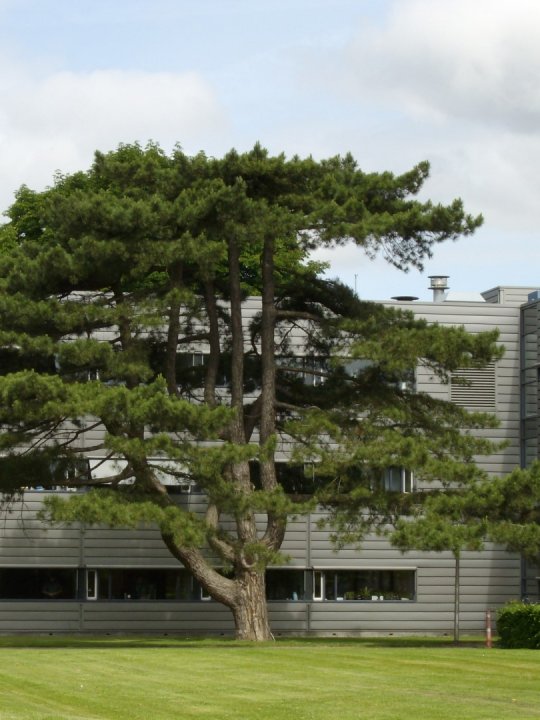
20 624
295 544
380 618
109 547
281 611
393 618
488 579
156 617
492 296
27 541
39 616
508 294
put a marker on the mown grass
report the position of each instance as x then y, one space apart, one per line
159 678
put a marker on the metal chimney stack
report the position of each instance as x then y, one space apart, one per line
439 285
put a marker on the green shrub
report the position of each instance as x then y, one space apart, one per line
518 625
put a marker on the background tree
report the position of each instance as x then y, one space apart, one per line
120 271
442 524
505 510
511 508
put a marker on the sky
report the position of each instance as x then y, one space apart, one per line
394 82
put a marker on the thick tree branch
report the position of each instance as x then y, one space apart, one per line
223 548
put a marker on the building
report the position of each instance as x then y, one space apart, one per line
88 579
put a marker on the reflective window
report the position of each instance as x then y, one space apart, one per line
285 584
141 584
38 584
397 479
364 584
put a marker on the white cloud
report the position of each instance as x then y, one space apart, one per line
478 60
56 121
452 82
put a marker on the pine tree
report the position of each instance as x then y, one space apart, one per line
113 278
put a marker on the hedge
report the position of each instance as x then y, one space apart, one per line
518 625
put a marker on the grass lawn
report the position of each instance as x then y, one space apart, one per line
73 678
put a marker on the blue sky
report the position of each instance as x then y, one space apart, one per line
392 81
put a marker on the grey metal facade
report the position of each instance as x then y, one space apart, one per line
488 579
530 411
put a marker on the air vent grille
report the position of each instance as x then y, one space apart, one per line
474 388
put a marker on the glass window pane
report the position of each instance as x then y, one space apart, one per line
329 585
408 482
145 584
530 350
285 585
530 400
392 479
367 584
38 584
318 578
530 319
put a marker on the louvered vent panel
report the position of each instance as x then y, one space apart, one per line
479 390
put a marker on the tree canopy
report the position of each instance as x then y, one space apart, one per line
505 510
126 333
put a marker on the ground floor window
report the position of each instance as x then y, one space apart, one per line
364 584
152 584
285 584
282 584
38 583
141 584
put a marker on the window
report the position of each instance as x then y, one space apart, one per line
311 370
318 585
140 584
397 479
315 369
285 584
356 366
190 359
294 479
38 472
91 584
364 584
70 470
144 584
191 367
361 368
529 441
298 479
38 584
81 376
13 359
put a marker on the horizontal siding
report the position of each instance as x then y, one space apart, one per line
488 579
478 317
211 618
36 616
509 294
156 617
26 541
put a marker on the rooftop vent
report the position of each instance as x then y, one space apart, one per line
439 285
404 298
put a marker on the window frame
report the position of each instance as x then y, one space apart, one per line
323 577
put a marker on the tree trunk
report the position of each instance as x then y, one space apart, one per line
173 332
456 597
250 610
